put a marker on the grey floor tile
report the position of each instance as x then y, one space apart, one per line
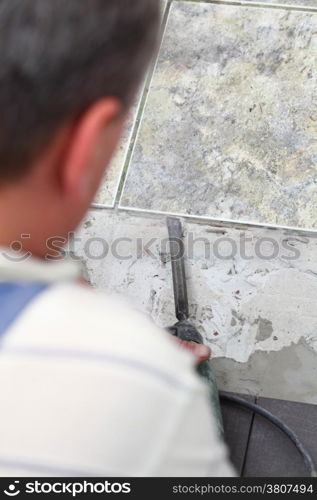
237 423
230 126
270 452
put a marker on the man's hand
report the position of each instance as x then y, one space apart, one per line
200 351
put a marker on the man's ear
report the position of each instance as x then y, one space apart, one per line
78 169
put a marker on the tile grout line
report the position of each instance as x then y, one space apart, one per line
246 3
127 149
135 121
232 222
200 220
140 112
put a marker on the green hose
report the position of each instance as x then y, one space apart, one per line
207 373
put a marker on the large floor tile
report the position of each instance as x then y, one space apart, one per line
230 126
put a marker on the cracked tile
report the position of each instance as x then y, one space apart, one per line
230 126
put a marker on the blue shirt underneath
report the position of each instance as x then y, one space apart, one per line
14 298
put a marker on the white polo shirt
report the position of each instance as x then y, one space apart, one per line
89 386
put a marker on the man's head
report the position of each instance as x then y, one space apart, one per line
69 71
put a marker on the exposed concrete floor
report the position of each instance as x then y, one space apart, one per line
252 294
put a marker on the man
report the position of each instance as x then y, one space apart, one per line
87 386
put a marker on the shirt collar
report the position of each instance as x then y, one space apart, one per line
15 266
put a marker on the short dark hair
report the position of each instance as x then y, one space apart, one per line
57 57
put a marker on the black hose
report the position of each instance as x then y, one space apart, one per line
309 463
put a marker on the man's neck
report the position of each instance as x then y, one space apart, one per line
24 221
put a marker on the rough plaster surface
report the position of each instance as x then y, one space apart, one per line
252 294
289 373
230 126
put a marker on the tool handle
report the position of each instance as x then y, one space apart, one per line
177 250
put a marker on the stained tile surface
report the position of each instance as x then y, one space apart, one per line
230 126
